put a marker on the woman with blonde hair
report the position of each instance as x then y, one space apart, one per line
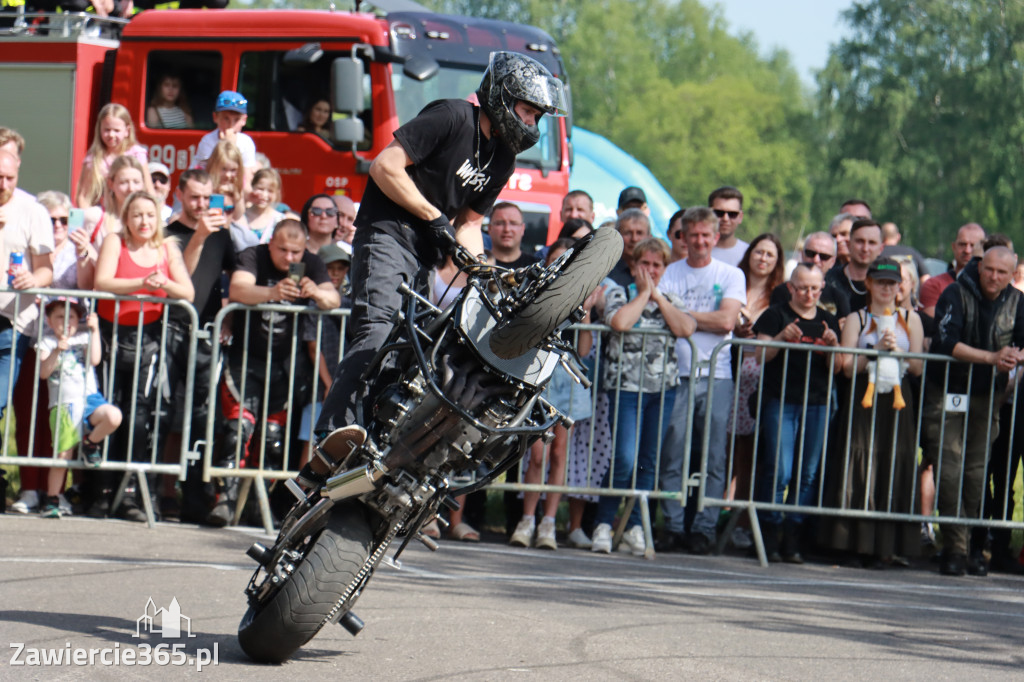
138 261
127 175
114 136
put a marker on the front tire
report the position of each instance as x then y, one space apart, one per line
578 276
274 630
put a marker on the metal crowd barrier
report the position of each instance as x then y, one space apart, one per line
252 377
154 377
893 502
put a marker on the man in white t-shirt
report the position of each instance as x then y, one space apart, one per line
727 203
713 292
25 228
230 114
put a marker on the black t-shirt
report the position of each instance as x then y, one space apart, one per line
814 363
856 293
832 300
277 328
218 256
454 166
521 262
621 274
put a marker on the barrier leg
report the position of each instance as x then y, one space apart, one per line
264 500
755 531
623 521
244 485
645 517
147 501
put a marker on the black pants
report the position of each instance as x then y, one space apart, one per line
379 265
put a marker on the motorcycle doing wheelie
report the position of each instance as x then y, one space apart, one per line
451 390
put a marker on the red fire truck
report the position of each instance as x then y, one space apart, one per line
378 72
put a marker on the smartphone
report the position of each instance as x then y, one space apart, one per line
811 329
217 204
76 219
296 272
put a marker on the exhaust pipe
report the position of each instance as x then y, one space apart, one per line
352 483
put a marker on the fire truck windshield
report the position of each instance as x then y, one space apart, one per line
458 82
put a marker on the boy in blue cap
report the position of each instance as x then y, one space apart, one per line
230 114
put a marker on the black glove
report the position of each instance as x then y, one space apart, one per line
442 229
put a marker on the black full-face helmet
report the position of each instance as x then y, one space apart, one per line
512 77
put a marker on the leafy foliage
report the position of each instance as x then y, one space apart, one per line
667 82
920 110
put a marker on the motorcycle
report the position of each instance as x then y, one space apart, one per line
451 391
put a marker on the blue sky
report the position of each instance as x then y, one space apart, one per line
804 28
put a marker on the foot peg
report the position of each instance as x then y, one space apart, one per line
351 622
258 553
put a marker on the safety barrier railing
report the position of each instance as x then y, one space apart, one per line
143 394
616 414
267 375
865 466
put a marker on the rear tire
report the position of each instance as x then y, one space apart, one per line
578 277
273 631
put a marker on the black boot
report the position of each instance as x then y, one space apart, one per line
791 531
223 512
770 534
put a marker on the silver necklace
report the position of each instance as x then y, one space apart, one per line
476 152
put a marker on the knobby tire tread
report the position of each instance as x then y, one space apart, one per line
296 612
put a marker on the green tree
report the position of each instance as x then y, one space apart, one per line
667 82
919 108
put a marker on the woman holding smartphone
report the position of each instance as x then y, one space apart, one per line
73 258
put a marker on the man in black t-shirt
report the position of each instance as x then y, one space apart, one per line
507 227
263 342
208 252
865 247
786 405
447 164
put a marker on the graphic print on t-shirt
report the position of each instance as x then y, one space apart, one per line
473 177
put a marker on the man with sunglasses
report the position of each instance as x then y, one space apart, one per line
819 250
436 180
727 204
677 237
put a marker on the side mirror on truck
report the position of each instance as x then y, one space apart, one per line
347 98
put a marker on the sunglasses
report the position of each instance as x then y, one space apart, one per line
321 212
160 179
60 220
232 102
733 215
678 234
811 254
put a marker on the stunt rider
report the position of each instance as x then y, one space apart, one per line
440 174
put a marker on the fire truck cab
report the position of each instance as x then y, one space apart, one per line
376 72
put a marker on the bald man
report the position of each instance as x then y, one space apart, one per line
346 219
980 322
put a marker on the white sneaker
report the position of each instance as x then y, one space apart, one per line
523 536
602 541
741 538
28 502
65 506
633 541
579 540
546 535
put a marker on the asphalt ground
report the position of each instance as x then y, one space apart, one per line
491 612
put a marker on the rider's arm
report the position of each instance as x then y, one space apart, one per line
468 231
388 171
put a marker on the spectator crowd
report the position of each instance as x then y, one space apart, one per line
711 348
